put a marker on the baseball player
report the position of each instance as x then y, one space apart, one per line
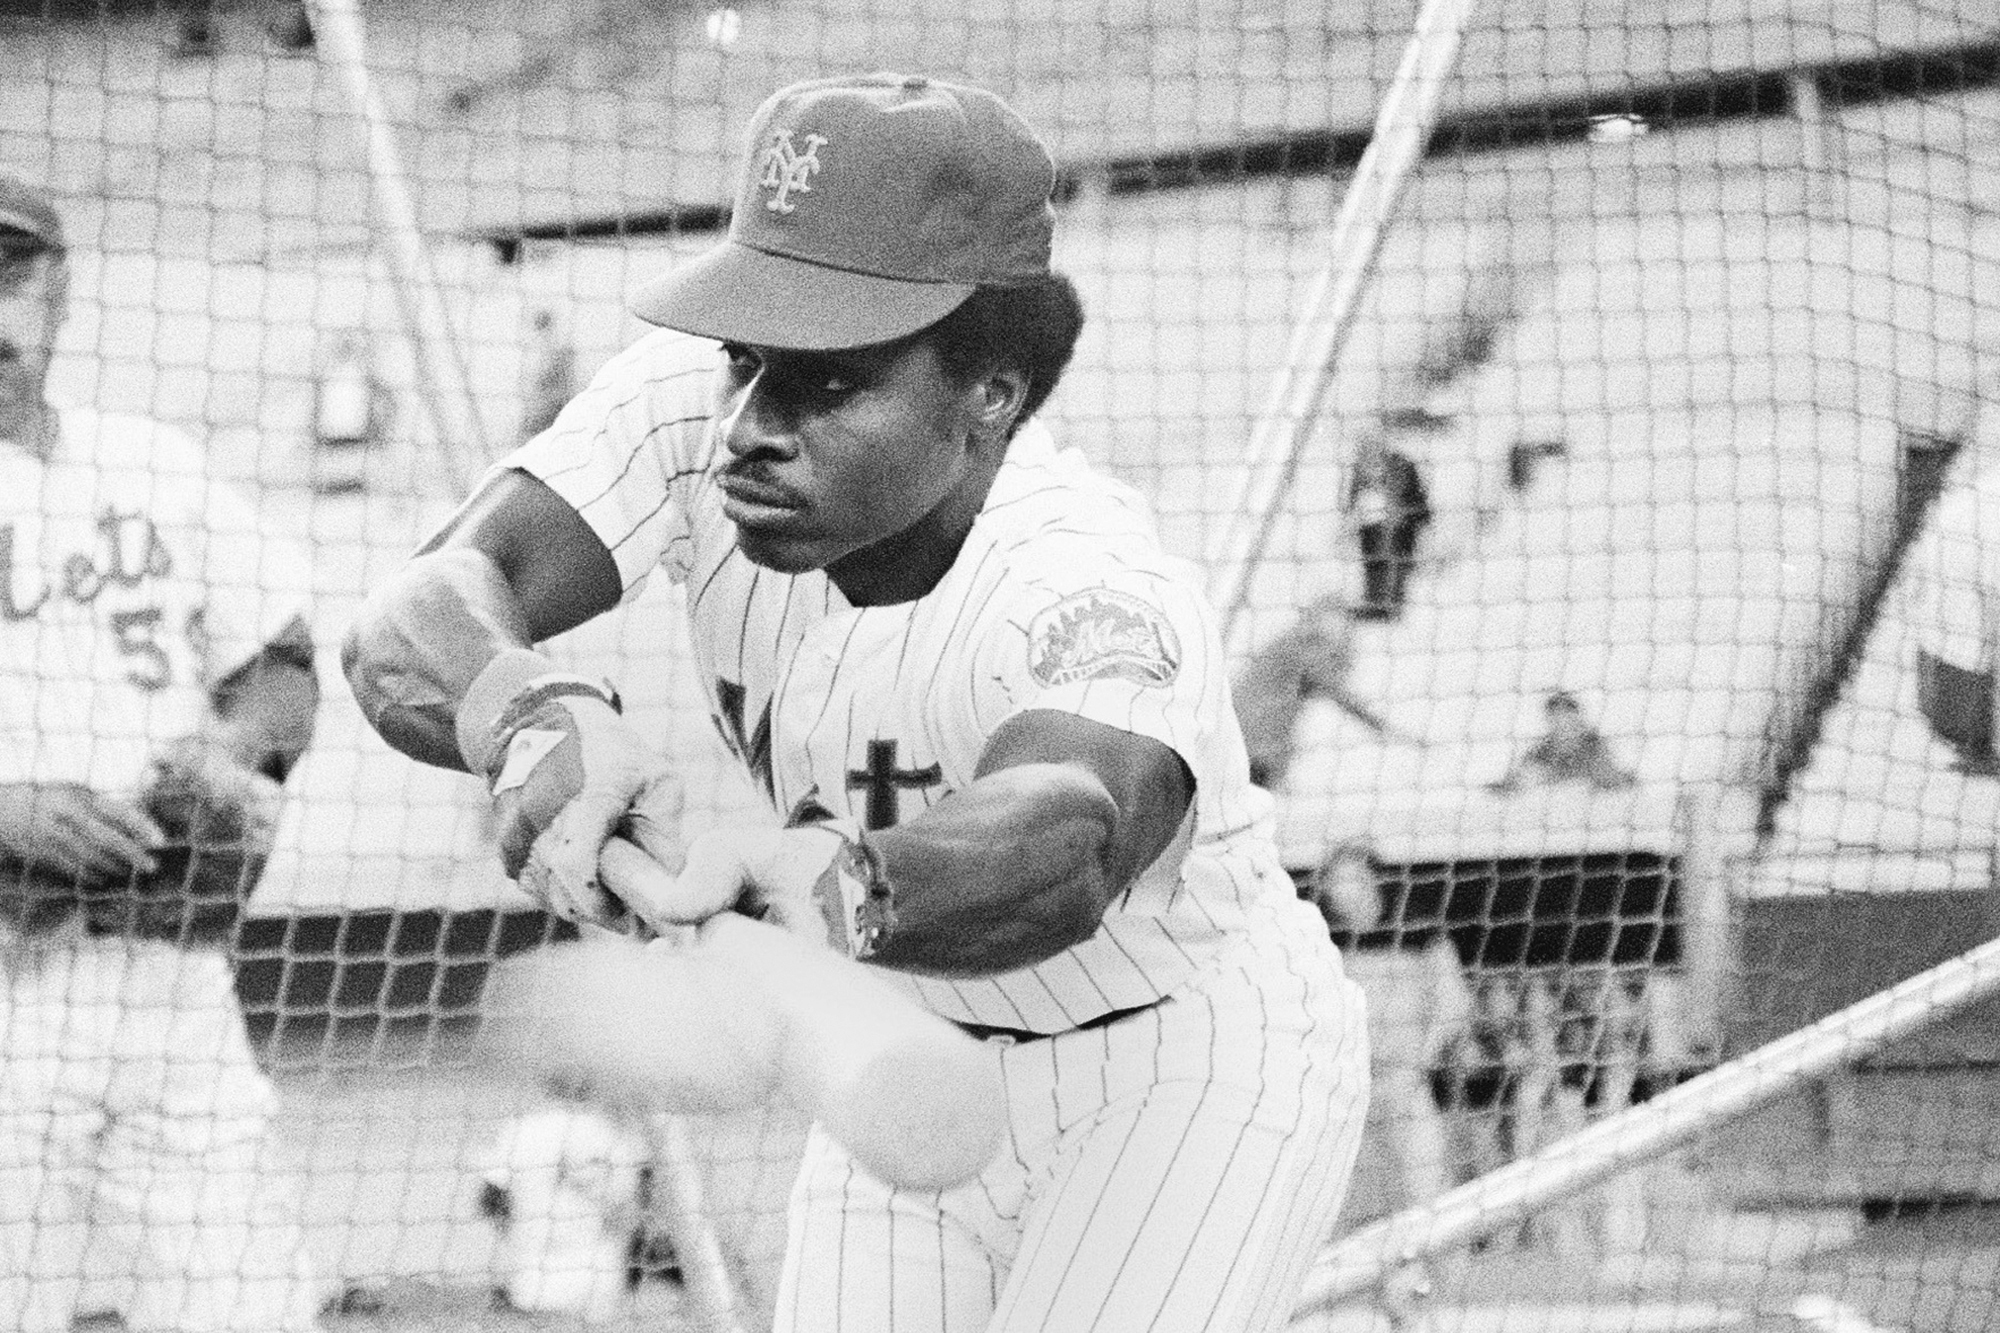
151 699
993 712
568 1192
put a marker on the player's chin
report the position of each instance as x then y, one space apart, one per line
782 550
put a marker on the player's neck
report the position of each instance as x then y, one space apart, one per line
910 564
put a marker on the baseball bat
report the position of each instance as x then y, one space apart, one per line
741 1010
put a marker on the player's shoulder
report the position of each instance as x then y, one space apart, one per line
657 393
1079 551
664 363
1053 499
149 461
126 440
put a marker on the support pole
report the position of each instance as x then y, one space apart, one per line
442 381
1644 1132
1402 131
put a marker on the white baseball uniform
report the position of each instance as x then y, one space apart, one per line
135 1172
1170 1168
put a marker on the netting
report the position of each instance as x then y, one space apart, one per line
1580 642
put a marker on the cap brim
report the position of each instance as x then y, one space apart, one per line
738 294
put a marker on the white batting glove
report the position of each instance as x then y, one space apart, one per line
566 771
821 881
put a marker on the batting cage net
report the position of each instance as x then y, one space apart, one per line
1577 413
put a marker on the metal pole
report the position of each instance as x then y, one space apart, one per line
1402 130
443 383
1497 1200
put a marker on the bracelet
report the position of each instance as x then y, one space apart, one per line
555 685
505 693
854 892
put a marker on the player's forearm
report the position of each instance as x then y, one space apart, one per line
1006 872
419 641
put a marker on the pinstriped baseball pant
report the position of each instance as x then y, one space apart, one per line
1173 1172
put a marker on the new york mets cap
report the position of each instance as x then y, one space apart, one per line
869 208
28 209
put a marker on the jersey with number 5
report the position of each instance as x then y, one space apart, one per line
129 582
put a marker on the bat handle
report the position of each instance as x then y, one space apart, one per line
647 895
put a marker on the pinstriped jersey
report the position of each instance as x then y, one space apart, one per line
130 583
1061 598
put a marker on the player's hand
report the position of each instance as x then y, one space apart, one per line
772 874
210 778
220 818
573 773
600 778
567 771
824 882
67 828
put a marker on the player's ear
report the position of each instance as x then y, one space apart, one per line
998 397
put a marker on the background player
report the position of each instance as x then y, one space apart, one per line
994 711
148 709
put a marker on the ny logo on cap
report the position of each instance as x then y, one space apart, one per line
787 169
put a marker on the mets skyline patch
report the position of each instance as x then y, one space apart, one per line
1103 634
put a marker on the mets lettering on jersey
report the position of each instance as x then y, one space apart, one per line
127 585
1060 599
126 551
1099 632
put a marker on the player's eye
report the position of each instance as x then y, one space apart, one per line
742 361
816 382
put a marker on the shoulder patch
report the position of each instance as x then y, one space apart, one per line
1103 634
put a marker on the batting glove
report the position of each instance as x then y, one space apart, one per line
567 771
823 881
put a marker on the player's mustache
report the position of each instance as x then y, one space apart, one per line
750 475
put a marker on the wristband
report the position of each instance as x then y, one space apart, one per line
854 893
505 694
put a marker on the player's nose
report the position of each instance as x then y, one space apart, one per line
759 424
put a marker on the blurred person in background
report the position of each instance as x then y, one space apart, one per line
352 413
153 696
1390 510
1570 751
1419 1010
1312 659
